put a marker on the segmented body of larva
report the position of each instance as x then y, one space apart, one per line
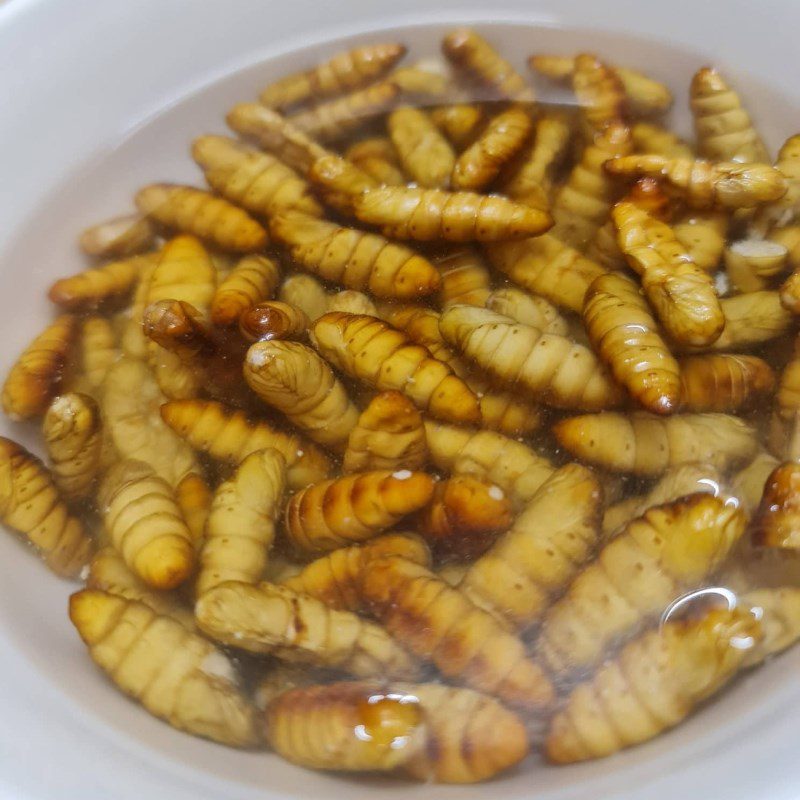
343 72
34 377
776 522
556 370
389 435
501 140
275 133
354 258
292 378
176 674
30 504
546 266
513 466
119 237
548 543
424 152
581 204
600 92
469 51
643 95
724 129
253 279
530 180
429 214
464 517
258 182
353 508
144 522
226 434
646 444
724 382
266 619
675 668
335 578
73 436
194 211
459 122
675 483
91 288
240 528
625 335
438 622
705 184
336 118
504 411
108 572
385 358
658 557
432 733
683 295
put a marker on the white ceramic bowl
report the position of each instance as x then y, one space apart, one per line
101 97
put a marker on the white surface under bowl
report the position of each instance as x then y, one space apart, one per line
99 98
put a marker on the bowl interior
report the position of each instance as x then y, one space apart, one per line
33 603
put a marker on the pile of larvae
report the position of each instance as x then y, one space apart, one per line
420 438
